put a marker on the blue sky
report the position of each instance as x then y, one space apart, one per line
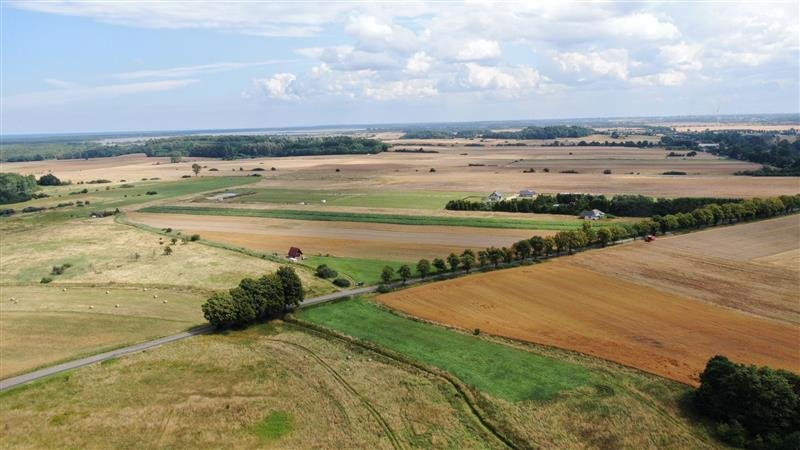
107 66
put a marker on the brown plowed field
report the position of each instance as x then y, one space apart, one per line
352 239
650 306
750 267
565 306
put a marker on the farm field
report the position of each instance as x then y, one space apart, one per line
634 171
367 199
268 386
342 239
753 267
543 396
562 304
48 324
367 271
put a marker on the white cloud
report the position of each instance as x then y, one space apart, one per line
478 49
682 56
376 33
86 94
402 90
668 78
418 63
612 62
512 81
191 71
350 58
641 26
278 86
56 83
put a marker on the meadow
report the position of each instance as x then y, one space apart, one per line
367 271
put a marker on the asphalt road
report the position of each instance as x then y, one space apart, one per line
69 365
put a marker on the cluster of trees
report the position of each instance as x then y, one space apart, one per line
227 147
763 148
710 214
255 299
619 205
546 132
753 407
16 188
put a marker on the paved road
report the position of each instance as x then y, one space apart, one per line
69 365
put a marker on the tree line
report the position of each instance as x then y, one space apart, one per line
531 132
253 300
573 204
226 147
751 407
568 241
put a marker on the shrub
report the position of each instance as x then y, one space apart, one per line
213 169
48 180
432 170
382 289
186 176
58 270
99 181
342 282
167 251
569 171
151 193
674 172
29 209
476 331
45 280
126 186
255 175
7 212
257 169
194 237
16 188
607 172
323 271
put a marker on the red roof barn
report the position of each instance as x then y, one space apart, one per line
295 253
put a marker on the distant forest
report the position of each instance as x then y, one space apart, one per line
546 132
226 147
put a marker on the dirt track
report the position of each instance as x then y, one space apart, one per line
559 304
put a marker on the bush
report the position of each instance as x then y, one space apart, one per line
673 172
476 331
48 180
58 270
382 289
186 176
100 181
29 209
151 193
213 169
255 175
194 237
45 280
342 282
16 188
126 186
323 271
257 169
607 172
432 170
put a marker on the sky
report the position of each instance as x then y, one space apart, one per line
71 66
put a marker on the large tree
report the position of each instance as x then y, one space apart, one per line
293 292
423 267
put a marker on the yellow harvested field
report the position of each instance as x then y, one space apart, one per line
562 305
750 267
474 169
351 239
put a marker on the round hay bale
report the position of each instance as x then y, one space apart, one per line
108 292
116 306
91 306
163 301
155 295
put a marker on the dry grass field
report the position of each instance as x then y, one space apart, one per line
566 306
753 267
634 171
266 387
105 252
46 324
351 239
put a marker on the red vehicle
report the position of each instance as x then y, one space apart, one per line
649 238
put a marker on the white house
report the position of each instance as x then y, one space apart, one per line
494 197
594 214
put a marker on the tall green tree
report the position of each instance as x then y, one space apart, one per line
453 261
440 265
423 267
16 188
387 275
405 272
293 292
467 260
196 168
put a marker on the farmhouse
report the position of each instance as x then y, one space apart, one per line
594 214
295 254
527 193
494 197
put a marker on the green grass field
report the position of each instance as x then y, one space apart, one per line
367 271
397 219
499 370
368 199
102 199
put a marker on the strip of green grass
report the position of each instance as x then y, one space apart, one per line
367 271
368 199
497 369
398 219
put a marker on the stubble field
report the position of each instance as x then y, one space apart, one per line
600 313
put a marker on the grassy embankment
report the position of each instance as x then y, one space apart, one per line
544 396
398 219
